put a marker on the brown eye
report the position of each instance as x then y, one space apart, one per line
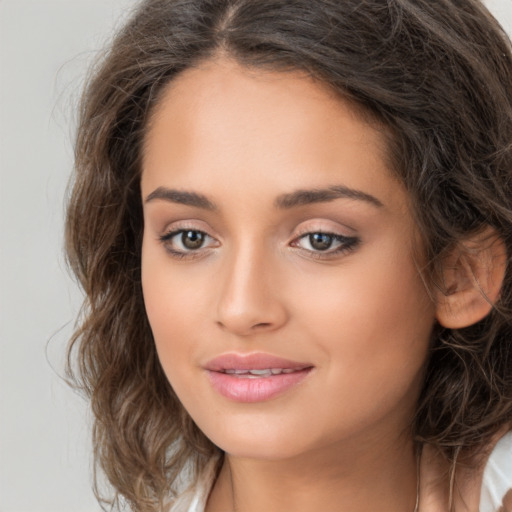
192 239
326 245
320 241
187 241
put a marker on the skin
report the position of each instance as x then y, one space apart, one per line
362 318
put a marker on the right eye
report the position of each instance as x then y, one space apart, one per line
183 242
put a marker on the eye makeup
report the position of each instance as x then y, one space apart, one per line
325 245
191 243
186 242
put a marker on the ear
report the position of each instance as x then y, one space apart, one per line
472 277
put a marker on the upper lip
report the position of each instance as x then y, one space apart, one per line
254 361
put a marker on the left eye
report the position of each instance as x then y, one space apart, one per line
324 242
185 240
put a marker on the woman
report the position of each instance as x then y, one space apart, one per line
293 224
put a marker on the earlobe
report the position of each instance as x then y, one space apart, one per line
472 274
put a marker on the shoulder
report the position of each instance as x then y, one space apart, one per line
496 490
485 488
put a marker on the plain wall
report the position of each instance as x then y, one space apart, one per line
45 48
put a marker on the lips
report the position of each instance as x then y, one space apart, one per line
256 361
254 377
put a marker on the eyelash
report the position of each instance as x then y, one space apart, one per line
190 254
347 244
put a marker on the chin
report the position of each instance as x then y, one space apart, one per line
266 443
261 450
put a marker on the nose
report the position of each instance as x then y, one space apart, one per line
251 296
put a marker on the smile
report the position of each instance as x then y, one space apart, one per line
256 374
256 377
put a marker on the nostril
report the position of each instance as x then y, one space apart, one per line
261 325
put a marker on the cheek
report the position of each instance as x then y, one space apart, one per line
373 321
377 292
171 304
172 291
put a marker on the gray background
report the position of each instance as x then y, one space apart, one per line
45 48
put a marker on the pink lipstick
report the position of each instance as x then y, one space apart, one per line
254 377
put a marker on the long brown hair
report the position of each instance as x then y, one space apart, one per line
436 73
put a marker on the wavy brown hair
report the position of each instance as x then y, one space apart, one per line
436 73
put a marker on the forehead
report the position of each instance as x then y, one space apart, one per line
223 122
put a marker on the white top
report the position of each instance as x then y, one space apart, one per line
497 476
195 499
497 481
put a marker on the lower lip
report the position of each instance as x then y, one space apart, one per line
240 389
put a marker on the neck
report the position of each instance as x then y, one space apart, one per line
377 476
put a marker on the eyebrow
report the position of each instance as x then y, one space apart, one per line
182 197
283 202
303 197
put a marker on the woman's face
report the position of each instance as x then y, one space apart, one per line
277 240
